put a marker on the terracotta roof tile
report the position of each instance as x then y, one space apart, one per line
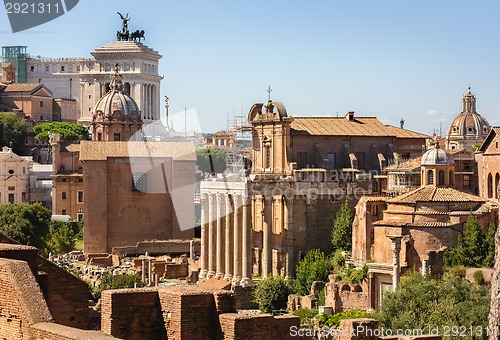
340 126
21 87
435 194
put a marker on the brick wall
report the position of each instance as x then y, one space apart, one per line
22 302
53 331
67 296
189 313
264 326
132 314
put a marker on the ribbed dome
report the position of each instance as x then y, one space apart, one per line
116 105
437 156
469 127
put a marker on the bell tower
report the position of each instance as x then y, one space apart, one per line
270 137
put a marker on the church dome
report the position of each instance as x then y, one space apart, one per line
116 105
437 156
469 127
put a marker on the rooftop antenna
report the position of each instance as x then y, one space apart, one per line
185 123
269 90
440 129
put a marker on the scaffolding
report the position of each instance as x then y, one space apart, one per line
18 56
241 130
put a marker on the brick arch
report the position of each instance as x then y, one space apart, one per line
490 186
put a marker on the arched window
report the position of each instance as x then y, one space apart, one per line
430 177
451 177
495 192
441 177
490 186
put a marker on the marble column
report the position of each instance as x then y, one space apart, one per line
211 236
246 244
204 237
220 236
229 240
267 237
237 240
396 248
288 217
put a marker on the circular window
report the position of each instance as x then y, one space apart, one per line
11 171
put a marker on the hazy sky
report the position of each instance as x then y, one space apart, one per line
391 59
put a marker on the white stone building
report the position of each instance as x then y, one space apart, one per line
87 79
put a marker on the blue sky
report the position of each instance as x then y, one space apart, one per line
390 59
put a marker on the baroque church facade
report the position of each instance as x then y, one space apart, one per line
303 169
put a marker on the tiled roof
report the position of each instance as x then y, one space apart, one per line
340 126
428 224
435 194
97 151
376 198
495 131
22 87
405 165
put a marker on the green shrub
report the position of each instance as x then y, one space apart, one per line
478 277
426 303
334 320
110 281
457 271
272 293
306 316
342 228
315 266
338 260
322 297
352 275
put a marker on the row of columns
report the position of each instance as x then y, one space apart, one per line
149 94
149 97
226 238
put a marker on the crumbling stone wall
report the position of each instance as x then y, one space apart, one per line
22 303
67 296
53 331
189 313
344 296
132 314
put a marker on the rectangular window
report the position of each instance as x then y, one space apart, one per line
32 68
331 161
11 198
466 180
62 68
374 210
139 182
116 137
80 196
78 69
79 217
63 212
23 197
12 188
63 195
46 68
41 104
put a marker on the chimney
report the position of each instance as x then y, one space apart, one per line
350 116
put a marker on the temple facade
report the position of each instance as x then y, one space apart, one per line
303 169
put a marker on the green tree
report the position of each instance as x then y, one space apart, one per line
211 160
315 266
272 293
68 131
25 223
13 132
62 236
342 228
426 303
471 249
